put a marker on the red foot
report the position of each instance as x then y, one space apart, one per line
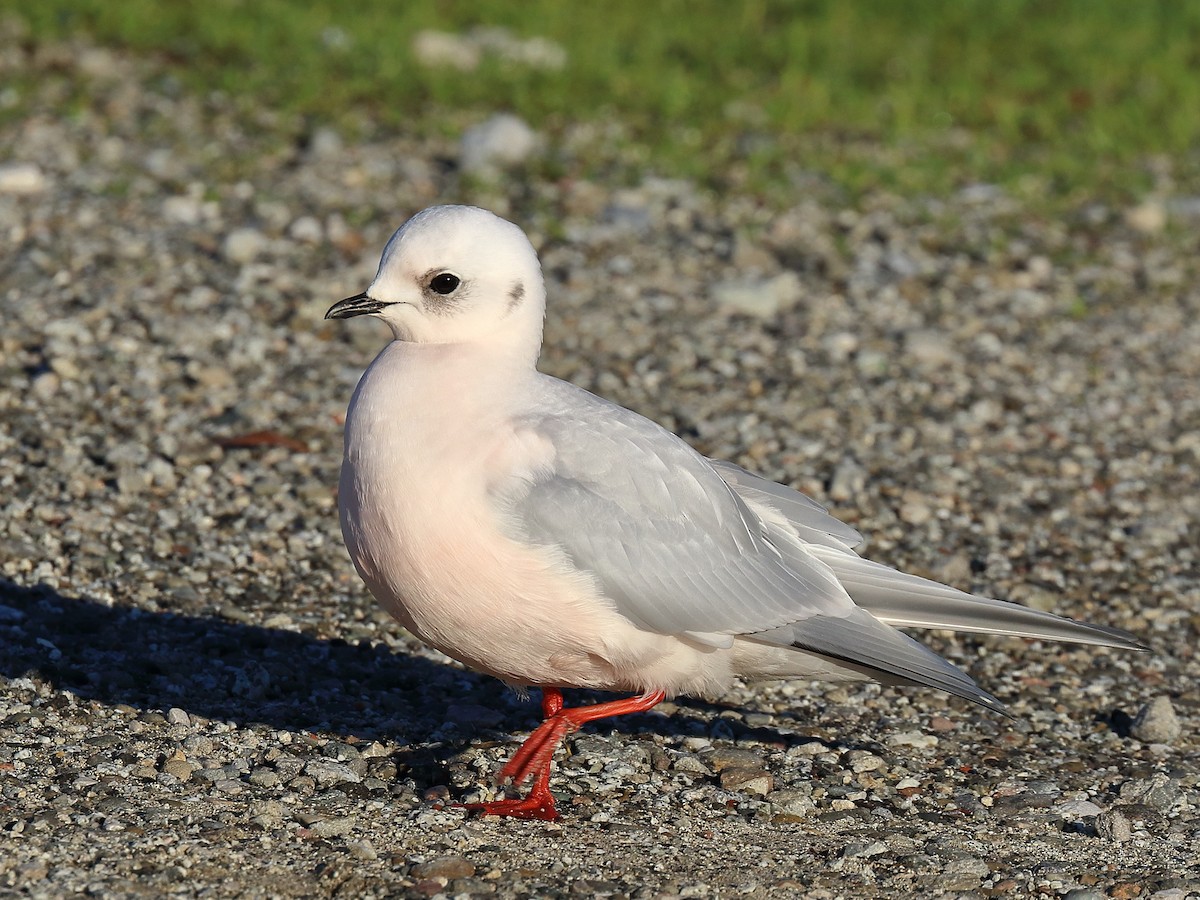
538 805
534 757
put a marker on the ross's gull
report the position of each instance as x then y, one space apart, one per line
548 537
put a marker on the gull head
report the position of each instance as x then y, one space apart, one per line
456 274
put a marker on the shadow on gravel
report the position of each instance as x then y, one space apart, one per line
225 670
249 674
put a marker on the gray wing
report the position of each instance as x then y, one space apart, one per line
811 520
667 539
903 600
681 552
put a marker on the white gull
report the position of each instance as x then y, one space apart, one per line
543 535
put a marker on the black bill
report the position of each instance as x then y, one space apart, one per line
358 305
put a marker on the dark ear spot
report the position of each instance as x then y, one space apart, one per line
515 295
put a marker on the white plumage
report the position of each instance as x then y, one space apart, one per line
543 535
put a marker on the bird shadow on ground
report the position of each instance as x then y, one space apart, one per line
250 674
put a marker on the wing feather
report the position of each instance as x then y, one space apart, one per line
666 538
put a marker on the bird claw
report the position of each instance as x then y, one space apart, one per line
535 806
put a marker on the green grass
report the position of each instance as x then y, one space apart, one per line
906 96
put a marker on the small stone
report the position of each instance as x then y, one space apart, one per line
914 510
1158 792
1077 809
1114 826
21 179
448 867
758 297
177 716
267 813
500 142
841 346
1149 217
306 230
334 826
65 368
911 739
46 385
964 873
180 768
243 245
182 209
1156 722
364 850
867 763
686 762
748 781
864 849
325 144
872 362
849 480
734 757
930 349
440 48
327 772
791 805
264 777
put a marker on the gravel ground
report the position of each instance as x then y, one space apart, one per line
198 698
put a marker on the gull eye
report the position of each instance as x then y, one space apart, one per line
444 283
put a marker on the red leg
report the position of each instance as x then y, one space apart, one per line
535 755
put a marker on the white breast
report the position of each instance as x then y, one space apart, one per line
424 459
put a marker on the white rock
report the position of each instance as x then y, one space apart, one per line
306 230
930 349
760 297
849 480
535 52
21 178
503 140
912 739
325 144
440 48
840 346
1149 217
182 209
243 245
98 62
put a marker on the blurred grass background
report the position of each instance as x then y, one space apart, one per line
1075 94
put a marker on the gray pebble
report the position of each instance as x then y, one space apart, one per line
243 245
500 142
1114 826
1158 791
1156 722
760 297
